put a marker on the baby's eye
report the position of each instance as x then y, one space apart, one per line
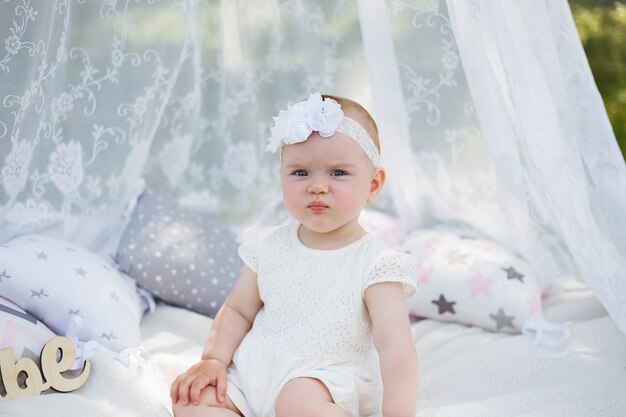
300 173
338 173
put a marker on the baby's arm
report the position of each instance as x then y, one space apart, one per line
234 318
232 322
393 340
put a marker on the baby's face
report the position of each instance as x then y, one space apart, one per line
326 181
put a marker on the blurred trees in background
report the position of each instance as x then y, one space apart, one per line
602 28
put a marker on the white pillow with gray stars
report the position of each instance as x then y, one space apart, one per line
182 256
55 281
464 279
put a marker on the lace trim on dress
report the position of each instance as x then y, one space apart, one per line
394 267
248 250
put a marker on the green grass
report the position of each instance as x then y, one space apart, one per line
602 28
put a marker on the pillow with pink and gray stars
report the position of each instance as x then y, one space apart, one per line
471 281
59 283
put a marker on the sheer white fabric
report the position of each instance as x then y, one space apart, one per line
562 176
439 168
96 96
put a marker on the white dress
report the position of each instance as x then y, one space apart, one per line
314 322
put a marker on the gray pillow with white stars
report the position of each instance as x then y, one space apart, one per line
182 256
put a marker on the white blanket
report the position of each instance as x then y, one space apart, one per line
463 371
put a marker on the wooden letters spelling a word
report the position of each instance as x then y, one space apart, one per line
50 374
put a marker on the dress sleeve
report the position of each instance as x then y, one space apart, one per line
393 266
249 247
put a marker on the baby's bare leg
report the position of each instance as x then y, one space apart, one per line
307 397
208 407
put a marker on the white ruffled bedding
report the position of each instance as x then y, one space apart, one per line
463 371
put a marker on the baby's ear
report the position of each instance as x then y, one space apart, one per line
376 185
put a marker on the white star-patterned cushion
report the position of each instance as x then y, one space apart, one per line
472 281
182 256
55 280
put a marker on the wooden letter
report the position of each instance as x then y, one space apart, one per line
9 370
52 369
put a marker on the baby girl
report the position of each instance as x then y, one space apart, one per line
316 324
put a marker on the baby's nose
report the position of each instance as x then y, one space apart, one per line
318 188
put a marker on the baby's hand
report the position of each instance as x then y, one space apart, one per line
199 376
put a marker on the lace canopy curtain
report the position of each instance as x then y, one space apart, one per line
562 175
98 96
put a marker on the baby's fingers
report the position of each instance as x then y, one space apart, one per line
174 389
220 388
183 388
196 388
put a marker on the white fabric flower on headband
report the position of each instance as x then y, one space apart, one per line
300 120
318 115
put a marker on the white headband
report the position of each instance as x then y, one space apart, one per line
318 115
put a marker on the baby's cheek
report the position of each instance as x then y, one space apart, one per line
291 201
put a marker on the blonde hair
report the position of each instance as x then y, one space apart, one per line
363 116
